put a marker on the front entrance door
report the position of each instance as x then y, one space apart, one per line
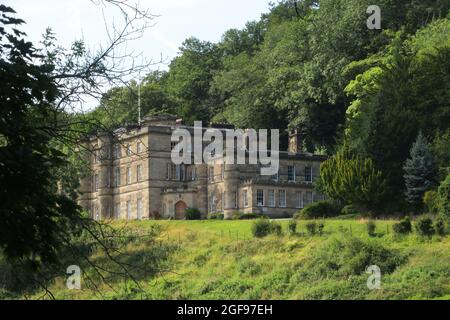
180 210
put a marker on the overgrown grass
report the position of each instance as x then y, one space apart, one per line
221 260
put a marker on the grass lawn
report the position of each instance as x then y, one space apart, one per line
222 260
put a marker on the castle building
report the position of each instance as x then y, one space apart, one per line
132 176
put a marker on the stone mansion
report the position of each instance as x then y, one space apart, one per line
132 177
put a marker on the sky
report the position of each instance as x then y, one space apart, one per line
176 21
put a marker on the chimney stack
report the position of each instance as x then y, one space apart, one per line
295 141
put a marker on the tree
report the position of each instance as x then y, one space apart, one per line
420 171
42 227
352 179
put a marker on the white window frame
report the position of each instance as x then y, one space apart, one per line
117 211
282 204
140 209
128 210
128 176
291 174
310 174
117 177
260 197
139 147
271 198
139 173
299 200
245 198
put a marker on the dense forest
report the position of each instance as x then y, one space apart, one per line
316 66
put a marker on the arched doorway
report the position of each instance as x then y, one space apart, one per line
180 210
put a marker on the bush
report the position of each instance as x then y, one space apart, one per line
311 228
263 227
216 216
193 214
235 216
439 226
431 201
276 228
424 226
349 210
371 228
323 209
444 198
320 228
292 227
403 227
250 216
344 256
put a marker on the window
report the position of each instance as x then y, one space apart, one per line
139 147
236 203
117 151
139 173
128 175
128 150
173 171
117 177
260 197
307 198
194 173
275 177
139 209
211 174
129 210
245 198
168 171
308 174
291 173
271 196
96 182
212 205
108 177
117 211
96 213
223 201
299 199
282 198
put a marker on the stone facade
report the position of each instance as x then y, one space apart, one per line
133 177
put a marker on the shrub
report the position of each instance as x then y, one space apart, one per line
193 214
439 226
349 210
444 198
311 228
352 179
344 256
371 228
235 216
216 216
403 227
292 227
320 228
263 227
424 226
323 209
431 201
250 216
276 229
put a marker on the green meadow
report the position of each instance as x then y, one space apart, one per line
222 260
